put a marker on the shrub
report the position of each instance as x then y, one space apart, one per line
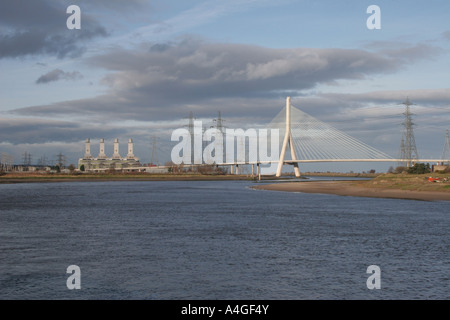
419 168
400 169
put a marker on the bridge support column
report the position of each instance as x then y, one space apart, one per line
297 170
288 140
294 157
231 169
257 169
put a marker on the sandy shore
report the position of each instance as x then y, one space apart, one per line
347 188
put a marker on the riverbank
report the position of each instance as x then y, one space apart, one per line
413 187
342 174
32 178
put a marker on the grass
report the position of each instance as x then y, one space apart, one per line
417 182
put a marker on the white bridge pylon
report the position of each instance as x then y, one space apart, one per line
312 140
288 140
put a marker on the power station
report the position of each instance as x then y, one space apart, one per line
103 163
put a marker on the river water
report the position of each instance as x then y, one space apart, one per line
216 240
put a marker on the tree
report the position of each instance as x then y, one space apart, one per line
400 169
82 168
419 168
172 167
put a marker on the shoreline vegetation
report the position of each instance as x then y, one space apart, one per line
28 177
379 185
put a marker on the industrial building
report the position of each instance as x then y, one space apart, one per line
115 162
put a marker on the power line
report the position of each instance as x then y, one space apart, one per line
315 139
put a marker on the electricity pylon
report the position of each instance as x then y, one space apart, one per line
408 148
154 159
446 153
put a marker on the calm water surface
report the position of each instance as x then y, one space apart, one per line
216 240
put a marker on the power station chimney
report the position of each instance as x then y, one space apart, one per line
87 153
116 155
130 154
102 154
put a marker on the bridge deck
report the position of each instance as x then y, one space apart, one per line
333 160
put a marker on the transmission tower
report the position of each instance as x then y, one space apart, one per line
219 123
42 162
61 160
402 151
191 133
191 123
408 148
446 153
6 162
26 159
154 158
219 126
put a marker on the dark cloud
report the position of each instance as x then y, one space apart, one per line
164 81
195 68
33 131
58 74
27 14
29 27
59 42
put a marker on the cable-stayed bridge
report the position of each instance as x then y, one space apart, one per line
309 140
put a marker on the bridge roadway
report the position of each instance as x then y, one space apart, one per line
315 161
292 162
332 160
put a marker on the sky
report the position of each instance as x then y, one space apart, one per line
137 68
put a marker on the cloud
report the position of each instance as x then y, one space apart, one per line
58 74
160 81
39 27
423 97
33 131
404 51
